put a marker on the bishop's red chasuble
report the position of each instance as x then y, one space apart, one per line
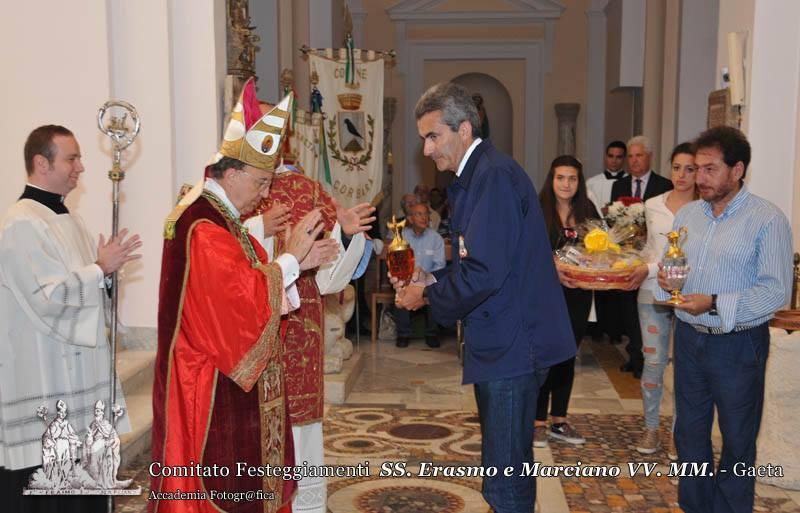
304 346
218 394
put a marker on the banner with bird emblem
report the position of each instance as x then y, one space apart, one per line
351 85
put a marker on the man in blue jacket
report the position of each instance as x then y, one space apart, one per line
502 284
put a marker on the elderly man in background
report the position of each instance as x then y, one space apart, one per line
423 193
428 249
644 183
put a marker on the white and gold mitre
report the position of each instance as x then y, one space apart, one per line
251 137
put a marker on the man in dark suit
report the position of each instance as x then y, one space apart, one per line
643 183
502 283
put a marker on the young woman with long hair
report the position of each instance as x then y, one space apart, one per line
565 205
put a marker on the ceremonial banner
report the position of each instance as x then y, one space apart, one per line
353 122
305 143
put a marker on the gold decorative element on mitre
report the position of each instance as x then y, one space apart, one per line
259 145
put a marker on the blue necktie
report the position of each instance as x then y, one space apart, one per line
638 192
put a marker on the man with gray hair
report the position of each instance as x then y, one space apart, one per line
502 283
643 183
408 201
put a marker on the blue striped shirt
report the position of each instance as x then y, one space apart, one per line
744 256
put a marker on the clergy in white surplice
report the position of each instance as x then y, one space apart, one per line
53 300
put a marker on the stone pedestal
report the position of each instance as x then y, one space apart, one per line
778 439
567 114
338 386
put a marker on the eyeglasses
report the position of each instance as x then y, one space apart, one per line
262 182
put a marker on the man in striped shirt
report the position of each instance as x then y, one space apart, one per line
739 249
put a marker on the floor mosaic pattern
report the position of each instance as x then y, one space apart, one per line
409 408
355 434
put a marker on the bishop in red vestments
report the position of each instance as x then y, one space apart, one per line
219 395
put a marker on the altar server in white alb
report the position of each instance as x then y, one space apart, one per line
53 300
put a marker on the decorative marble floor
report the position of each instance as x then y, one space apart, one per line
408 406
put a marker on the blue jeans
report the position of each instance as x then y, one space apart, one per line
726 371
507 408
656 323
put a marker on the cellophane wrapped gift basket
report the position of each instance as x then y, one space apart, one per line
600 254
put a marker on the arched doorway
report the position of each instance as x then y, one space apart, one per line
499 111
497 103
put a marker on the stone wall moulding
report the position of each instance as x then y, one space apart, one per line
530 52
544 12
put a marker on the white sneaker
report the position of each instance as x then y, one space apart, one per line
649 443
540 437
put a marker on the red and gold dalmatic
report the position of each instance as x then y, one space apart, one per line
218 394
304 346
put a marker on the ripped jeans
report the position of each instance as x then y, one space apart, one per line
656 323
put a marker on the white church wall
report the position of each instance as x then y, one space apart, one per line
775 84
141 75
56 70
168 59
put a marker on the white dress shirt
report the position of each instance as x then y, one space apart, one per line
644 178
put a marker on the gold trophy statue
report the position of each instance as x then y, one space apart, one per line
675 265
399 255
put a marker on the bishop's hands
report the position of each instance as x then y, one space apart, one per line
276 219
117 251
302 243
409 294
356 219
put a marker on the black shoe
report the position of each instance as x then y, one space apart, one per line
637 373
626 367
432 341
402 342
615 341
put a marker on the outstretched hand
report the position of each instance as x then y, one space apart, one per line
117 251
355 219
321 252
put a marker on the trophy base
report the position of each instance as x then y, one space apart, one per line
675 299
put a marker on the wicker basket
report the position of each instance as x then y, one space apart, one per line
349 101
594 279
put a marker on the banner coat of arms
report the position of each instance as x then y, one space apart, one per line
353 124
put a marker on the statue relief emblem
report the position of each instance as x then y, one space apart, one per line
71 466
